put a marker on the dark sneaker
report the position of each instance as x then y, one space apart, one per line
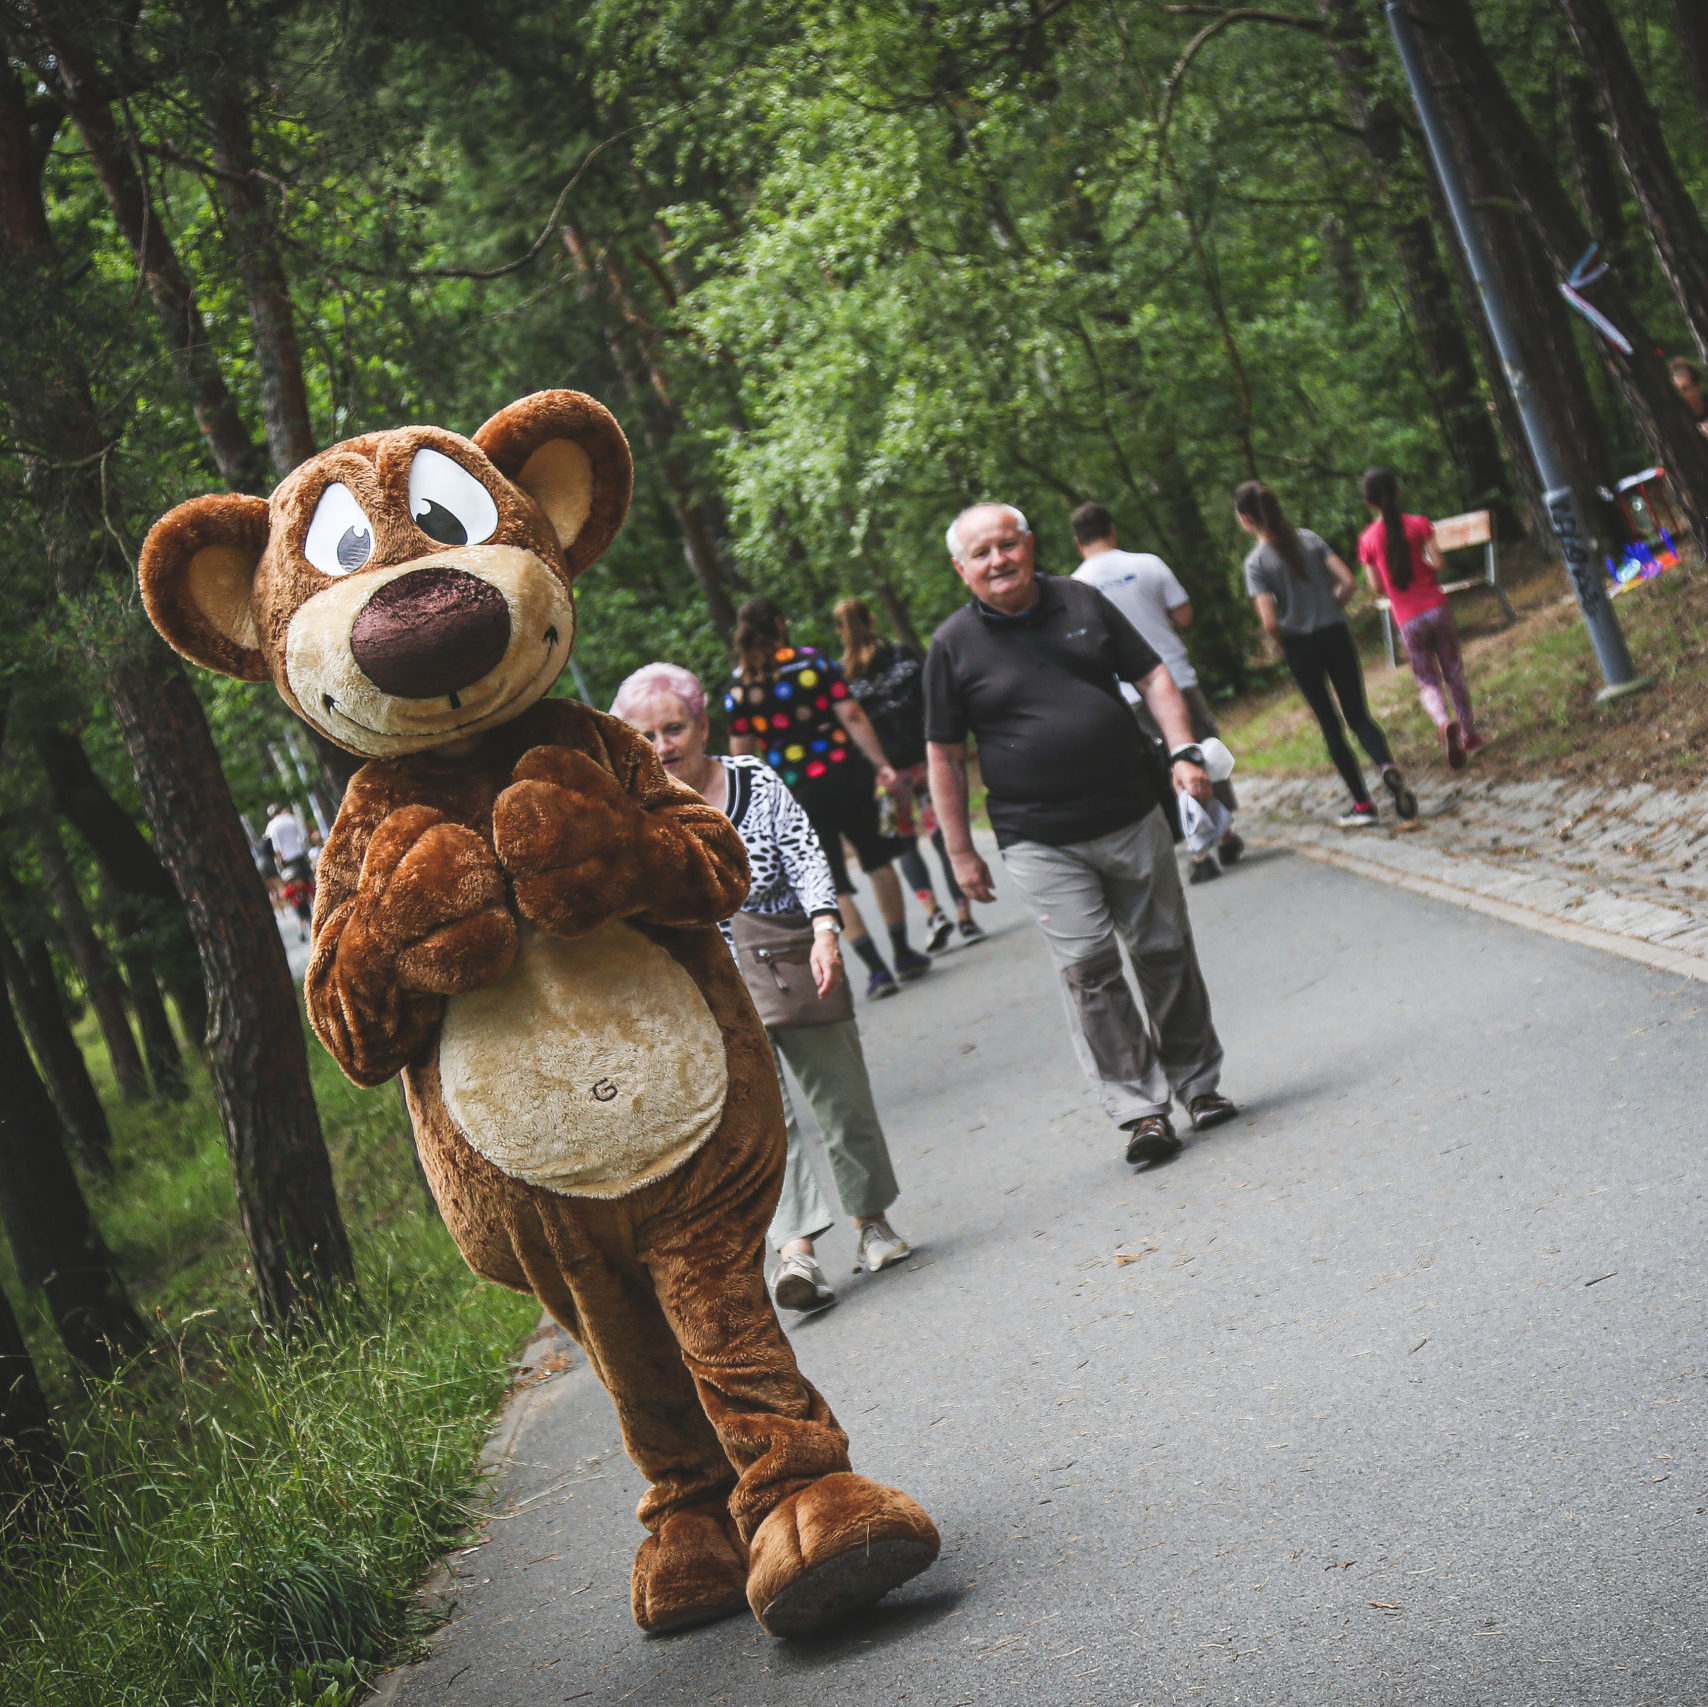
1359 817
881 983
1209 1110
941 928
1152 1140
1405 802
912 965
1455 747
1229 848
971 929
1204 870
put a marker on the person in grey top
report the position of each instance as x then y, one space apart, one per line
1301 589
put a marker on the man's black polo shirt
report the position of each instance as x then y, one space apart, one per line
1058 748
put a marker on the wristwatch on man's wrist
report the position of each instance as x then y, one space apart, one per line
1191 754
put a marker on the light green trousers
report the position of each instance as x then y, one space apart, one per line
828 1062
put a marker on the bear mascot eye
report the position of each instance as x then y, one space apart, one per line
340 537
447 502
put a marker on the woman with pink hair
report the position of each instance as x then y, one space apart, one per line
792 882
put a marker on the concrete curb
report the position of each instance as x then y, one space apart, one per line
1586 936
437 1591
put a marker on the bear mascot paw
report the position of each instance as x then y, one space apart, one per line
518 911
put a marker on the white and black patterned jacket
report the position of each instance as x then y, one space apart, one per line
790 872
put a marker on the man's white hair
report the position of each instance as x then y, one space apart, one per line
953 536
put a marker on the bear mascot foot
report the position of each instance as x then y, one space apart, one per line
693 1570
837 1545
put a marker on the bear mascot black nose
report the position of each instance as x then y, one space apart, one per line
431 633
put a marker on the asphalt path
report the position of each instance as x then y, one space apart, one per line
1390 1391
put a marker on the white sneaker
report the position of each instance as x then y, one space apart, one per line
799 1284
880 1246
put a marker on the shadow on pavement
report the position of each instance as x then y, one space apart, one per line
877 1627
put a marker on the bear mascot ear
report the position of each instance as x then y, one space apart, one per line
569 455
197 574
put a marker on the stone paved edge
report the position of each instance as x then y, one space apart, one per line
1568 930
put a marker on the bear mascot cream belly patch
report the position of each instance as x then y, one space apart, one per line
517 911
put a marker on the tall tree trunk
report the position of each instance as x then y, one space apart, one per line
1453 42
255 237
894 602
1552 357
54 46
1445 351
1218 639
285 1196
1595 174
1690 21
101 979
29 971
259 1064
129 866
58 1248
661 421
159 1042
1674 223
32 1461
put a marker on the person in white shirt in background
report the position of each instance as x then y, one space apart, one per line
1145 591
290 845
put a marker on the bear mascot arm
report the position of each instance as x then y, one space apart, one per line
413 908
591 836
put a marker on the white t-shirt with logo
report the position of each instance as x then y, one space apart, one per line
285 833
1144 590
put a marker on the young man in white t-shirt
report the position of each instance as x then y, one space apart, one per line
1146 592
290 845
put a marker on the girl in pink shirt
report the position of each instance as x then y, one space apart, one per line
1402 559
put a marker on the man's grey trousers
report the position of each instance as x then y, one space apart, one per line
1089 897
828 1061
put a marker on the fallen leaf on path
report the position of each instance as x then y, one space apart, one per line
1386 1605
1122 1258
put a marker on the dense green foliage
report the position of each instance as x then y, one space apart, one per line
842 268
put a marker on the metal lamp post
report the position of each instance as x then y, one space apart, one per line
1564 509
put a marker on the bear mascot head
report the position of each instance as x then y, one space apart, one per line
517 910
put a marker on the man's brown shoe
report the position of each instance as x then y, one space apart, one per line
1209 1110
1152 1141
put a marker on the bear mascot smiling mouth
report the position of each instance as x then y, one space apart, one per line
518 910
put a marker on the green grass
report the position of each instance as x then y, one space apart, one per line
258 1512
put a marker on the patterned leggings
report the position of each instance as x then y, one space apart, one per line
1432 645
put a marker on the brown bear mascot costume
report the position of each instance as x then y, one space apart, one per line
518 910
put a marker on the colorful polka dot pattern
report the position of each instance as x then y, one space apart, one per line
793 714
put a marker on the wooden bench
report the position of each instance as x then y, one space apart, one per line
1460 533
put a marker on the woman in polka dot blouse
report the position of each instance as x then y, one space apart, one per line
790 706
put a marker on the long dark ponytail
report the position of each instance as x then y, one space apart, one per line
1263 510
759 626
1381 487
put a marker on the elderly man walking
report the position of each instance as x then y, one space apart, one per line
1029 669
